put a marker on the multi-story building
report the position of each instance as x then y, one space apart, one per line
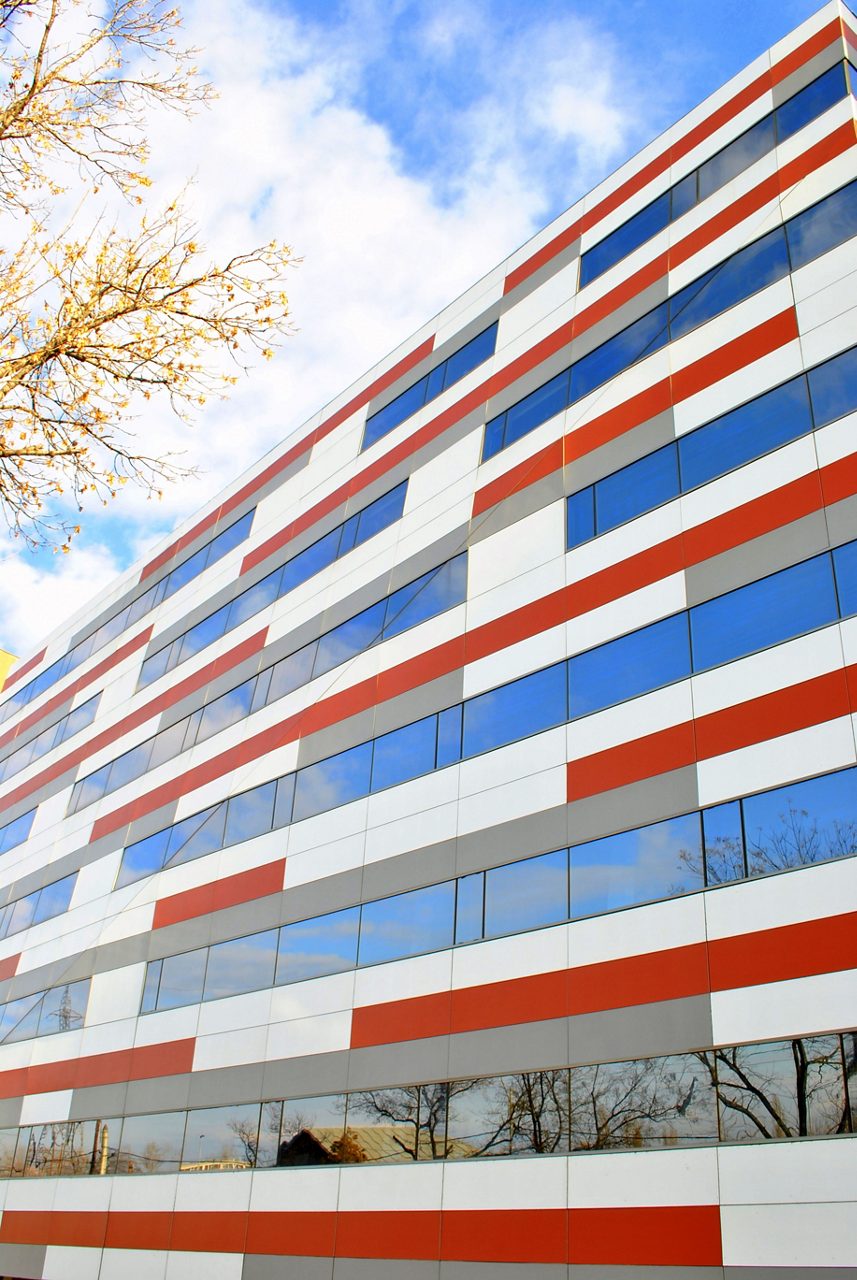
438 860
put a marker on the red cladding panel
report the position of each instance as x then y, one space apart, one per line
245 886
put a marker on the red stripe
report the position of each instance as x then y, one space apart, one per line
245 886
143 1063
654 1235
9 966
769 955
276 468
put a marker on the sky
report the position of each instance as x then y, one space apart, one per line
402 149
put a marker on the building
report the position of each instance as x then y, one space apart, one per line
444 847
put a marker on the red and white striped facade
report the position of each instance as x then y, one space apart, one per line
765 959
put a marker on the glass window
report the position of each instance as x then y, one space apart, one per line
659 861
155 666
312 948
536 408
527 895
581 517
407 924
684 195
198 835
471 355
645 1104
223 1138
350 638
8 1140
637 488
22 914
636 231
333 782
724 843
631 665
166 745
740 276
229 538
143 858
641 338
54 898
755 428
244 964
254 600
845 570
150 988
313 1132
309 562
292 672
285 801
435 381
508 1115
789 1089
470 907
151 1144
429 595
493 442
823 227
833 388
763 613
802 823
810 102
515 710
64 1008
250 814
384 1125
261 689
408 402
269 1135
185 572
182 979
20 1018
849 1040
201 636
89 789
405 753
449 736
16 831
736 157
381 513
79 718
226 710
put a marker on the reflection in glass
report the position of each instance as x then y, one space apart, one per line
649 1103
197 835
510 1115
823 227
469 907
384 1125
659 861
802 823
410 923
143 858
636 488
515 710
333 782
751 269
833 387
182 979
580 509
789 1089
312 948
631 665
221 1138
405 753
244 964
527 895
63 1008
810 102
151 1144
845 569
724 843
644 336
313 1132
250 814
736 157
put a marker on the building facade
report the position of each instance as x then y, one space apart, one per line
438 861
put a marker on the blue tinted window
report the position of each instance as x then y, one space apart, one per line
833 388
292 672
581 517
515 710
22 914
640 338
823 227
527 895
285 801
311 948
435 381
629 666
433 593
802 823
333 782
724 843
684 195
744 274
182 979
636 866
350 638
226 710
405 753
21 1017
155 666
494 436
229 538
745 433
381 513
410 400
185 572
851 72
408 924
845 569
150 988
449 736
536 408
143 858
810 102
763 613
54 898
736 157
637 488
196 836
469 907
471 355
250 814
202 635
252 601
63 1007
245 964
309 562
16 831
624 239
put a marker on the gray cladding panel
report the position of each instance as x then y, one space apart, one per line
520 504
790 1273
842 521
162 1093
273 1267
641 1031
589 1271
665 796
541 275
223 1085
503 1271
409 871
23 1261
534 833
757 558
649 298
530 1046
805 74
309 1077
98 1101
384 1268
409 1062
625 449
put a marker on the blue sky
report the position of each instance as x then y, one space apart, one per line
402 149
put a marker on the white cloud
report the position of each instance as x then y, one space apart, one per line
291 150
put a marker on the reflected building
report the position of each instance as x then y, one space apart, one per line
444 845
